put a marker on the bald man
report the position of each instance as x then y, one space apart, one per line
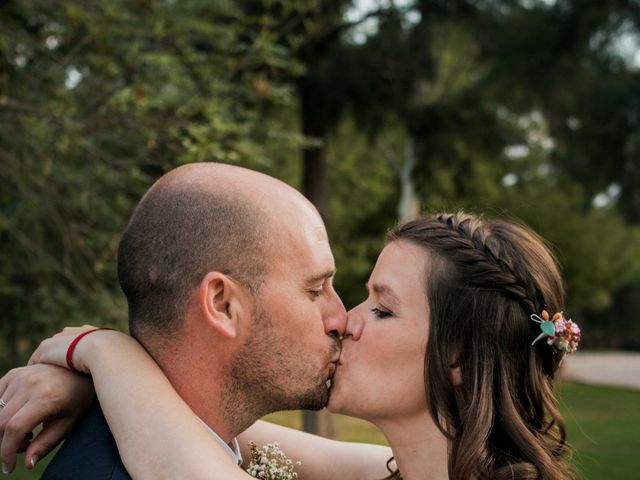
228 278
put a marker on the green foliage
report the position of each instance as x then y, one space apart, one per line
99 98
96 101
611 246
363 191
525 109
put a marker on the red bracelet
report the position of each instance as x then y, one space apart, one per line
74 344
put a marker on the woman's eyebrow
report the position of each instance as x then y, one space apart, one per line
386 290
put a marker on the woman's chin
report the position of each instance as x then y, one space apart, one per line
341 395
337 398
333 405
342 403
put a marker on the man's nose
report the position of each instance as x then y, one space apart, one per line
335 321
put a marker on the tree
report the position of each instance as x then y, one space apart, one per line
507 116
97 99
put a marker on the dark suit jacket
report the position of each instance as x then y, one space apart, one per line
90 453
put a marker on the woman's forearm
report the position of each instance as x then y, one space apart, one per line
321 458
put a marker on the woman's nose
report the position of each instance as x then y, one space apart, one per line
355 322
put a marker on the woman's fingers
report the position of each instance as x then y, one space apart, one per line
14 435
52 433
12 432
34 395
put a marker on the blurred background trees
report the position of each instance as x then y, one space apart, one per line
375 110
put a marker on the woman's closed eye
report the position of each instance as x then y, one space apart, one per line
381 312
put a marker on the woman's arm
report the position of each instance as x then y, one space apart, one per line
157 434
58 398
322 458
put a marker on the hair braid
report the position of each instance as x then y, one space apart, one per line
481 253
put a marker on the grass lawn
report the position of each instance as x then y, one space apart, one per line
603 425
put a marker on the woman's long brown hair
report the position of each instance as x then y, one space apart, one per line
485 279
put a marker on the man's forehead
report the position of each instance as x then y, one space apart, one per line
300 236
307 258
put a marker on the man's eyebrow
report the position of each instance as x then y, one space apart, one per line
384 290
321 277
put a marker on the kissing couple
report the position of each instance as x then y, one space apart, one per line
232 312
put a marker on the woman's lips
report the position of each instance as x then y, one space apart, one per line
341 357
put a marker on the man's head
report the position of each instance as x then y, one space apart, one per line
237 265
185 226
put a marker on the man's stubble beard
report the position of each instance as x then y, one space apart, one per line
267 376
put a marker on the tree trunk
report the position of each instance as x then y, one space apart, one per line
314 178
314 159
320 423
409 204
314 187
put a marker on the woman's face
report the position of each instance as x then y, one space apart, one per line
382 361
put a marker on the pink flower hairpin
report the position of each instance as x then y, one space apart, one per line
563 334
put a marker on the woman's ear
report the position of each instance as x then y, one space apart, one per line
456 371
218 297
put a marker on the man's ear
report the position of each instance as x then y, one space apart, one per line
219 301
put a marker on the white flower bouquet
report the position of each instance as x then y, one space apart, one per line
270 463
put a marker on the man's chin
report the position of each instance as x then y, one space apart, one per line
316 400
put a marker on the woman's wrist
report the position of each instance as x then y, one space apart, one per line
92 349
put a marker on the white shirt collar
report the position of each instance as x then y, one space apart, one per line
232 449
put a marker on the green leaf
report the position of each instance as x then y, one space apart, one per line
548 327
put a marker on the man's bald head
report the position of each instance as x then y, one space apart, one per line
196 219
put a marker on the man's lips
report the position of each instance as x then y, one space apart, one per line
337 355
333 366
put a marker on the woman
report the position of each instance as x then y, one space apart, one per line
446 356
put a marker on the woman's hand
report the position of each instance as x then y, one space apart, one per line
37 394
48 394
54 350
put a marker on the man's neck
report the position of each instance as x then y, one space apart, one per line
205 388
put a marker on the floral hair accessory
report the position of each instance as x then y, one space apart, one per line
561 333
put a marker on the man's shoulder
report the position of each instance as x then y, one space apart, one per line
89 452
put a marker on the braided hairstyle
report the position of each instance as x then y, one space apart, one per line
486 277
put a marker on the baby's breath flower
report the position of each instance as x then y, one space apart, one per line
270 463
